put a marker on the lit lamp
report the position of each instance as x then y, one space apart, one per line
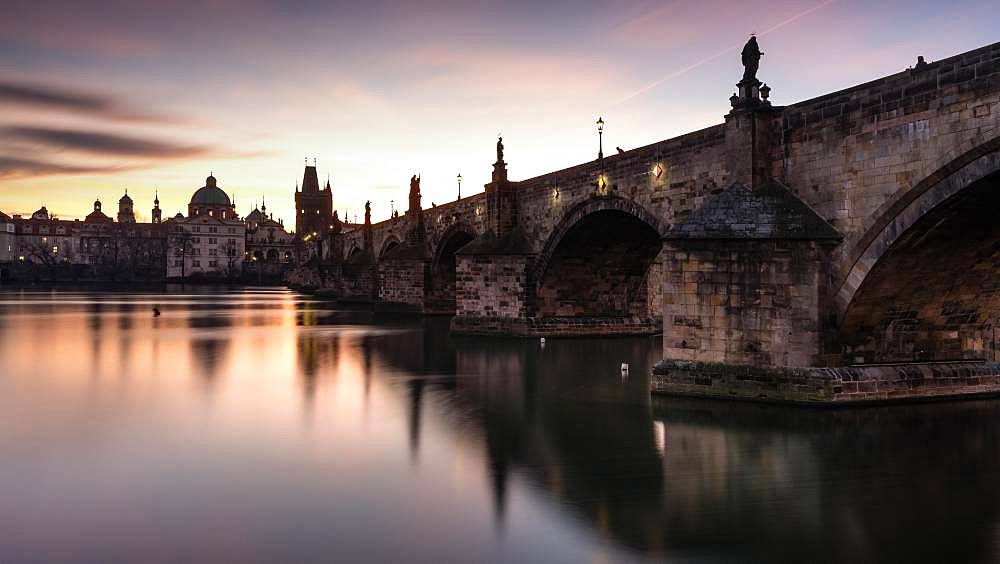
600 138
459 178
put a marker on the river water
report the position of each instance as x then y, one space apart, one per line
263 425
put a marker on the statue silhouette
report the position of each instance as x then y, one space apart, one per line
751 60
414 193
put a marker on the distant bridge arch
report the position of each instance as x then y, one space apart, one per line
390 243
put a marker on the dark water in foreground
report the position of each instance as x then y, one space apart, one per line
264 426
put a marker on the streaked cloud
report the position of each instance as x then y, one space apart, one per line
14 167
47 97
104 143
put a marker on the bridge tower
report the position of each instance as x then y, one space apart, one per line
313 206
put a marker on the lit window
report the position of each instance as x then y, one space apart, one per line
55 249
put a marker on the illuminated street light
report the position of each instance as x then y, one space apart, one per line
459 177
600 138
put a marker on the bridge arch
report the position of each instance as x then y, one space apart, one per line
924 280
390 243
893 218
441 280
596 261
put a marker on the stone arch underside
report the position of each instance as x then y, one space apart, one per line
598 264
934 292
896 216
441 288
389 244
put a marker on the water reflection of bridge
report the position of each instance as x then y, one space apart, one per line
673 477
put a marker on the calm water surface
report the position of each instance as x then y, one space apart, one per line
262 425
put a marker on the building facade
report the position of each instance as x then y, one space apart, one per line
211 241
267 239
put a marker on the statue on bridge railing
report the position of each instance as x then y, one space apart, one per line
414 193
499 148
368 212
751 60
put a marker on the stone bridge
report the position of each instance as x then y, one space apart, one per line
859 226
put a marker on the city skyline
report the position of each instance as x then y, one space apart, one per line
97 101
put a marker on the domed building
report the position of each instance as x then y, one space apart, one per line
211 241
212 201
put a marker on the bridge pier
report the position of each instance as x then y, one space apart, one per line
402 281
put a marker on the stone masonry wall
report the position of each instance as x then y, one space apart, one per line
401 284
742 302
691 168
826 386
491 286
359 283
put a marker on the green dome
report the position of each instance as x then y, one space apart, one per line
210 194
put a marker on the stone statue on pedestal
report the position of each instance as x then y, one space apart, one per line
368 212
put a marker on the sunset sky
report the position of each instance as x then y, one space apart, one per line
99 96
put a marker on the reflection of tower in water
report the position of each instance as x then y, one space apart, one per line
415 394
314 354
209 340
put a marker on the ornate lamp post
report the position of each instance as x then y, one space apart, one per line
459 178
600 138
